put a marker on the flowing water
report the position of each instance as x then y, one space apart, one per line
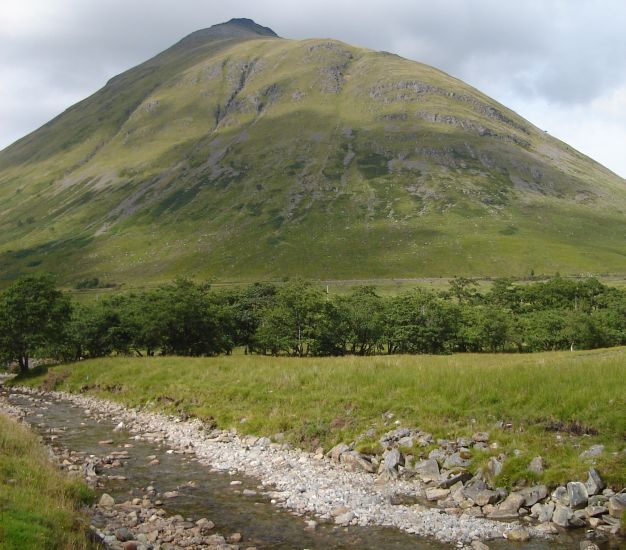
261 523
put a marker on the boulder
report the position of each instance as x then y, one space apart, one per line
428 470
518 535
481 437
577 494
595 484
588 545
123 534
617 505
536 465
434 493
460 477
494 467
560 496
393 459
542 512
337 451
595 511
355 461
562 515
455 460
592 452
532 495
479 493
106 500
509 508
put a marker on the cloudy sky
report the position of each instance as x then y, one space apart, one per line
559 63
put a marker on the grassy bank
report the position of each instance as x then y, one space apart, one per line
557 404
38 505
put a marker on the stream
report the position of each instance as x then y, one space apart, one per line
211 494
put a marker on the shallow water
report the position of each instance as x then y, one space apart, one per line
262 524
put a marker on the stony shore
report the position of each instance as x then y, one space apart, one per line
434 498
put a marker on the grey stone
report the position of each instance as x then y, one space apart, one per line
123 534
560 496
481 437
355 461
461 477
577 494
427 469
617 505
478 545
337 451
437 454
593 511
592 452
434 493
542 512
562 515
344 519
595 484
106 500
407 441
455 460
532 495
518 535
494 467
588 545
536 465
393 459
509 508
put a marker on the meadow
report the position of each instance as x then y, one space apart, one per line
553 404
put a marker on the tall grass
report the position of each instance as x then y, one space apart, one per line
556 404
39 506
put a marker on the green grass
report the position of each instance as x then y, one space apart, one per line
325 401
39 506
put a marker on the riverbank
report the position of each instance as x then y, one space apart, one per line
555 405
40 507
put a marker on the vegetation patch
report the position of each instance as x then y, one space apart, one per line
39 507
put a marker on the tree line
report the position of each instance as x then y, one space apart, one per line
298 318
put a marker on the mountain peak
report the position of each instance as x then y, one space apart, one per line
248 24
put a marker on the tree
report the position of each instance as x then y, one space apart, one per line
33 319
362 313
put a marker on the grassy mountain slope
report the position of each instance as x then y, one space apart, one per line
238 155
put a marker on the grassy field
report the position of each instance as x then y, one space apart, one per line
38 505
557 403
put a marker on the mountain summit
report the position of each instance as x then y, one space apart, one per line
239 155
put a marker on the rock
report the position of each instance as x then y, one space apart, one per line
595 484
235 538
518 535
494 467
532 495
119 427
547 529
428 470
455 460
344 519
355 461
593 452
263 442
437 454
478 545
106 500
542 512
588 545
577 494
560 496
562 515
536 465
337 451
131 545
406 442
393 459
509 508
481 437
593 511
123 534
249 493
434 493
476 490
617 505
461 478
170 494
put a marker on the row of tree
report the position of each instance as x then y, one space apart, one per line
297 318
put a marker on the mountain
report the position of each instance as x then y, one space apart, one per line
239 155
